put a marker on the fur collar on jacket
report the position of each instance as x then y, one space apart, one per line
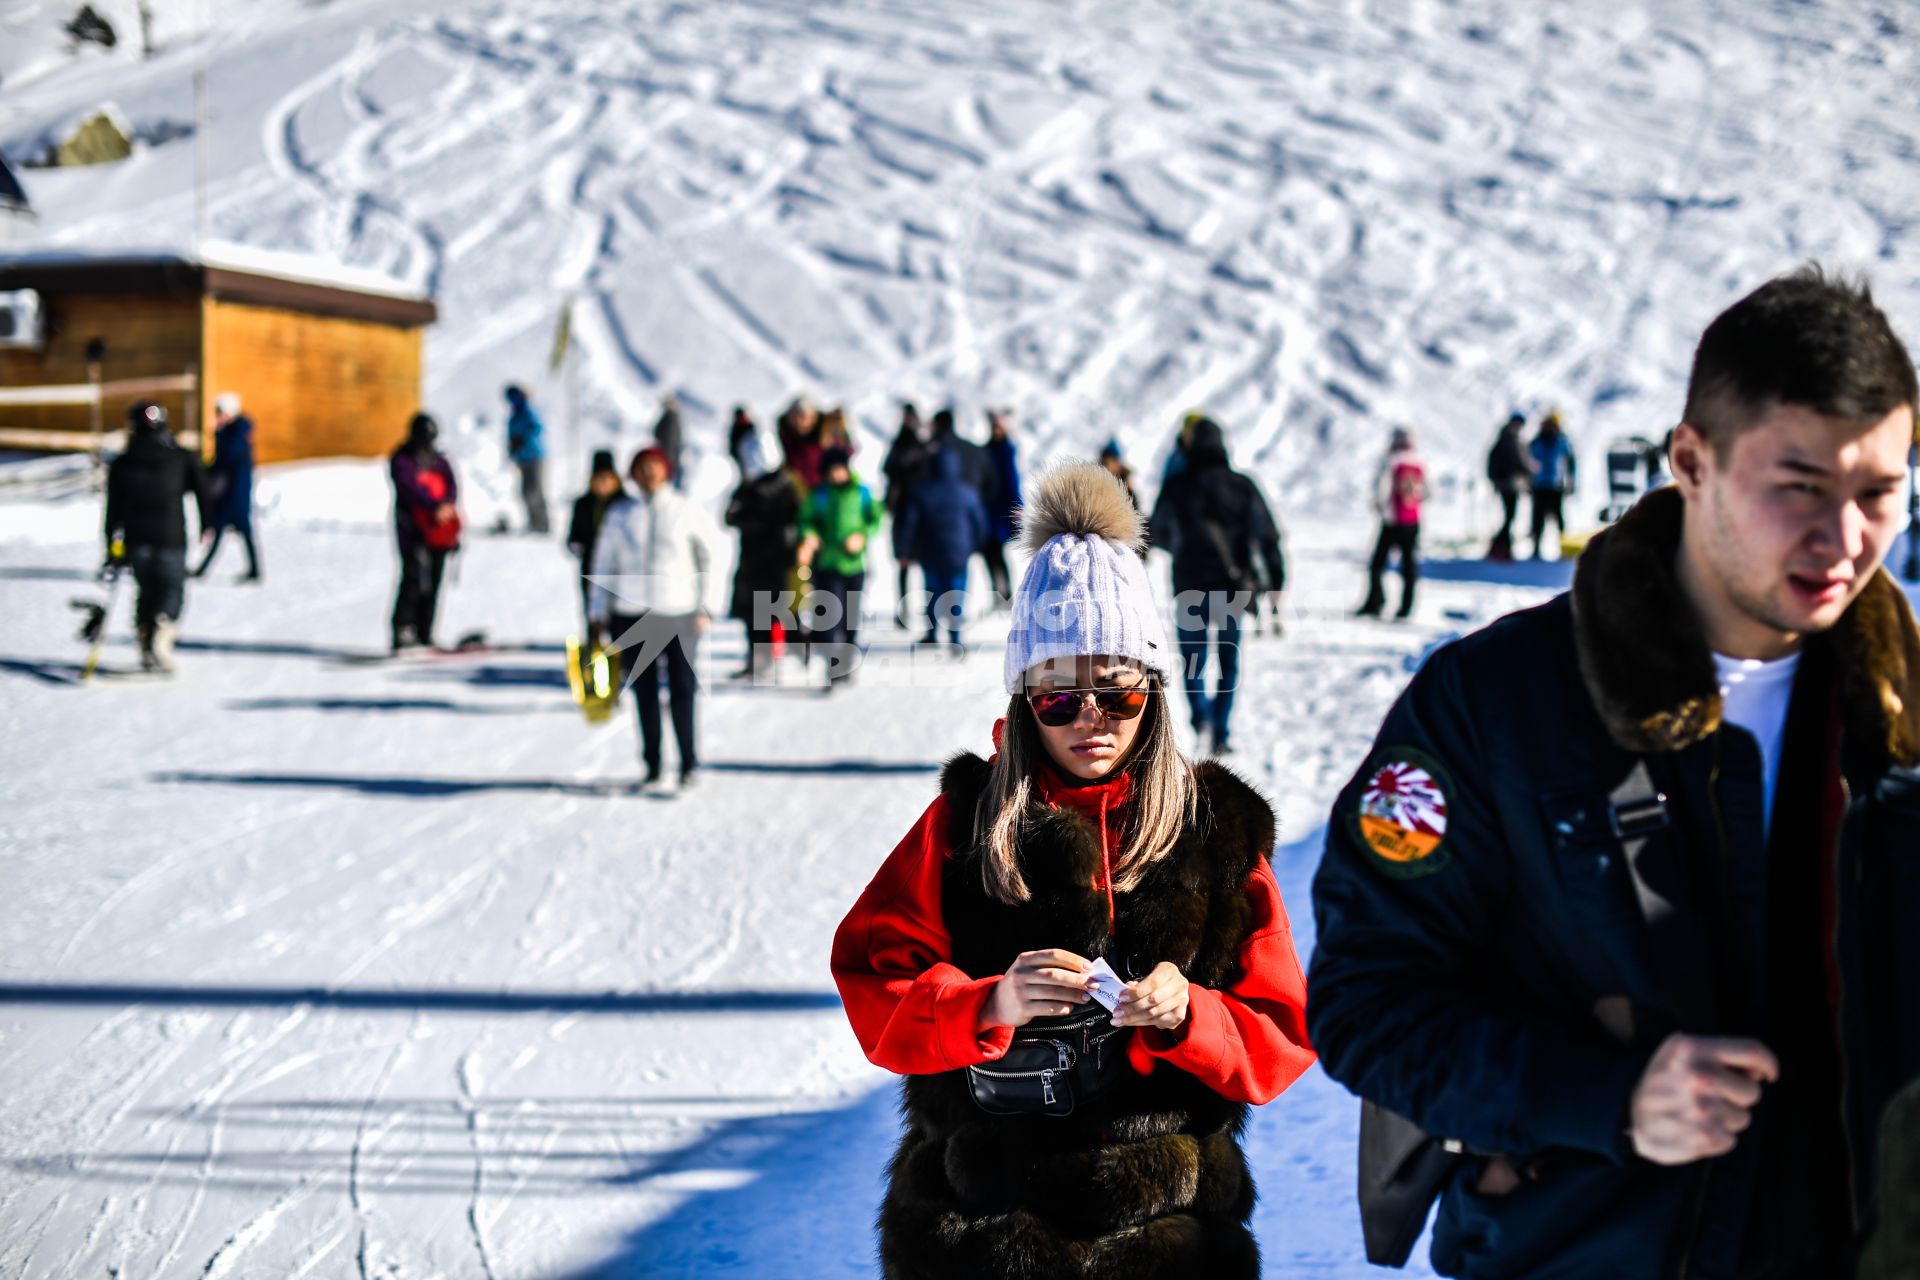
1649 672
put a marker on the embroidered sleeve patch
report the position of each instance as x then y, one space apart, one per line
1400 817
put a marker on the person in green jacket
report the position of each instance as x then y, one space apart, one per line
837 521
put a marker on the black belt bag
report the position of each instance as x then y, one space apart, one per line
1052 1064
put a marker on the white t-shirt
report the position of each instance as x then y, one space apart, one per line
1754 695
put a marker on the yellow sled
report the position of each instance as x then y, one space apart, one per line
595 679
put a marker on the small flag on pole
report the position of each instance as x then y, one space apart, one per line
562 336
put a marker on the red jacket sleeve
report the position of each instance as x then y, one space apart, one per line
914 1012
1249 1041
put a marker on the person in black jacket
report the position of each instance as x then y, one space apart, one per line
1215 522
426 525
147 487
230 480
589 509
1625 903
976 468
1510 473
906 461
942 525
766 511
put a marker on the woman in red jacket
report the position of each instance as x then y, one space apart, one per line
1046 1136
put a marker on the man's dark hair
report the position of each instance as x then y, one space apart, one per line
1806 339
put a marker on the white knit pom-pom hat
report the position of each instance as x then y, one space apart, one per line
1085 592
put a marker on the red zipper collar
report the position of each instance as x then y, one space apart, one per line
1104 801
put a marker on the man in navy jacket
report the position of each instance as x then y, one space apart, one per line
1646 947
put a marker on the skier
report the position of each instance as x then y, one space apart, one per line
1616 918
231 482
765 509
1046 1136
589 512
1553 477
146 521
527 447
837 521
652 570
1214 522
668 435
906 461
941 525
1508 471
1006 504
426 524
1399 487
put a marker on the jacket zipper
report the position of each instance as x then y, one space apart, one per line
1106 867
1699 1207
1840 1003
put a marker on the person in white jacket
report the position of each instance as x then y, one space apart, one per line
652 587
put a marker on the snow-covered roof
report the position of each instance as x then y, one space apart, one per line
278 264
234 272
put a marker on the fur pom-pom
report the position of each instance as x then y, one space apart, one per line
1084 499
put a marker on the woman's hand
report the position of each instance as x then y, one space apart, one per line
1039 984
1157 1000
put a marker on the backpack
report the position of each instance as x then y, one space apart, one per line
439 535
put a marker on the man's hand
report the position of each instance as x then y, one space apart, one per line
702 623
1697 1095
1157 1000
855 543
1039 984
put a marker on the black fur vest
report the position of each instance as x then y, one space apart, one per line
1145 1180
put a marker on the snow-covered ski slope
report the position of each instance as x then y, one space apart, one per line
317 966
1313 218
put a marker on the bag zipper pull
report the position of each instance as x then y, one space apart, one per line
1046 1086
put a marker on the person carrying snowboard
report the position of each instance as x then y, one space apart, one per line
652 593
1047 1137
589 511
147 488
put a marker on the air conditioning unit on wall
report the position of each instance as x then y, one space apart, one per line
20 322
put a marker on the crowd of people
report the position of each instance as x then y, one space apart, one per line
1618 921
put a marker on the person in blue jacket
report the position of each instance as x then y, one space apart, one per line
940 525
1623 910
1002 514
527 446
231 478
1551 456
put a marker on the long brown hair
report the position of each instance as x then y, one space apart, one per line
1165 800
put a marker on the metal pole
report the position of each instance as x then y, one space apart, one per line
573 401
200 153
99 429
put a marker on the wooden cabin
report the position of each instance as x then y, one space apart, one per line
326 364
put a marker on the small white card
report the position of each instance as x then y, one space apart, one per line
1107 984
